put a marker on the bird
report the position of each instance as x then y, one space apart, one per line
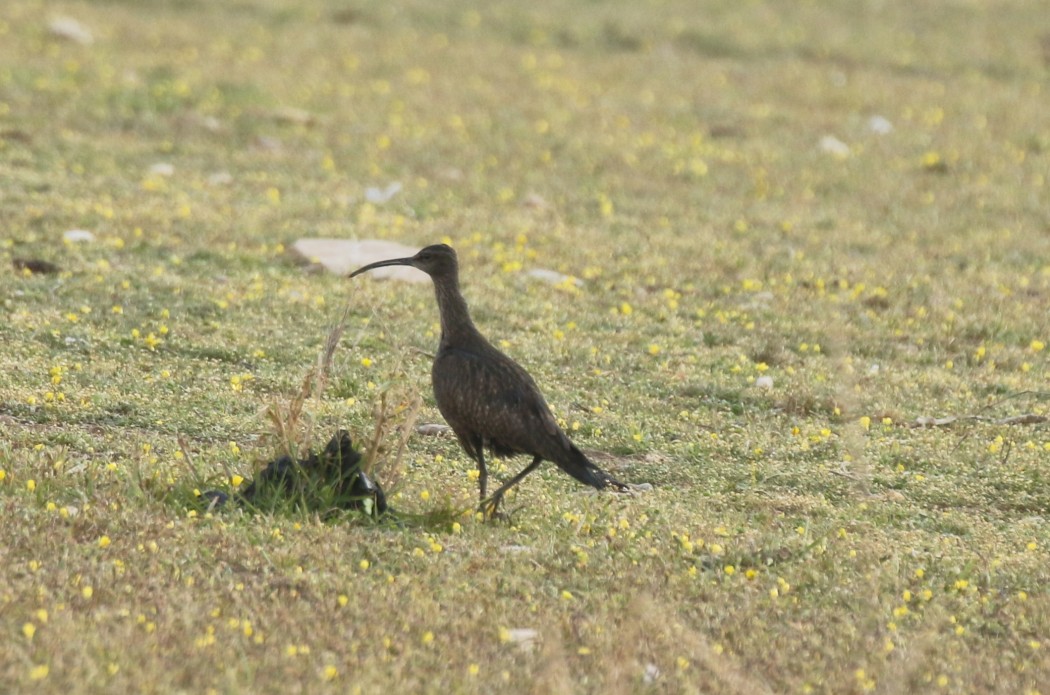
489 400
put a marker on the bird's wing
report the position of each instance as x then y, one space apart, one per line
491 396
486 396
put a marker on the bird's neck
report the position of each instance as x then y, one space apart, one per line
456 326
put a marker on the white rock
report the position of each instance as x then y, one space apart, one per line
764 382
873 370
515 549
535 201
71 30
880 125
764 297
640 487
220 178
374 194
524 637
162 169
432 429
267 143
340 256
832 145
75 236
208 123
552 277
651 673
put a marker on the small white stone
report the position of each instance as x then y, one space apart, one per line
832 145
651 673
71 30
162 169
534 201
524 637
432 429
267 143
880 125
340 256
209 123
220 178
873 370
765 296
764 382
552 277
76 236
374 194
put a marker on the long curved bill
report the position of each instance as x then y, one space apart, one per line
381 264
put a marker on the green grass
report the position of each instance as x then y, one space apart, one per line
798 539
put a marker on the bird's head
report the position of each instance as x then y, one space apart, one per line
436 261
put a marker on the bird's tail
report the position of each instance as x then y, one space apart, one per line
576 464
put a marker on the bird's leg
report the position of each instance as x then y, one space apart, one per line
490 506
483 474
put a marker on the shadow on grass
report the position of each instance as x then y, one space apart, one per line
322 504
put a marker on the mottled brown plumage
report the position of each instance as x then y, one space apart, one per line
488 400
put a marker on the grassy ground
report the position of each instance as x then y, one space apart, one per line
799 538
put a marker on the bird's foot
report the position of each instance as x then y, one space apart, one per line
490 508
627 488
